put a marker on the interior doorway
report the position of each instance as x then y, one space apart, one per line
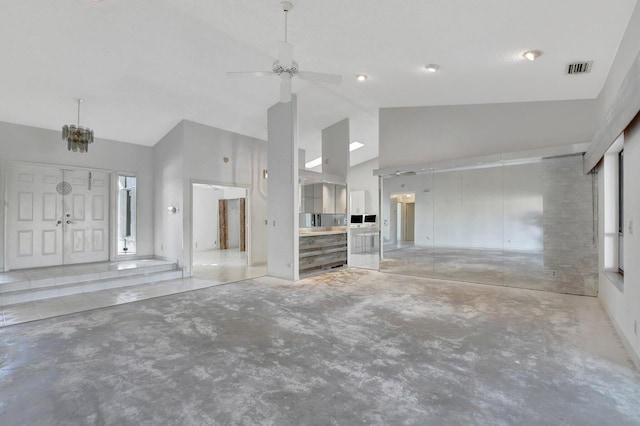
220 238
232 224
56 216
402 221
408 221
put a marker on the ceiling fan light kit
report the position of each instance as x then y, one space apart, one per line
286 68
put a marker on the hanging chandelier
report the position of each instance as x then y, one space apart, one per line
78 138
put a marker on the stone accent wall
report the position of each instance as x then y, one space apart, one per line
570 236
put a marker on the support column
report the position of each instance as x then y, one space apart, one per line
335 149
282 198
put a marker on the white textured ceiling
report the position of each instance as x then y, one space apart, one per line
144 65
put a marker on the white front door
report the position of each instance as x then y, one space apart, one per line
56 216
86 217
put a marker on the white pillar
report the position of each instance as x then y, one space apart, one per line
282 195
335 149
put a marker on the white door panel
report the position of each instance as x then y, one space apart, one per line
56 216
86 217
34 236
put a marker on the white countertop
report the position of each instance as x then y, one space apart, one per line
311 232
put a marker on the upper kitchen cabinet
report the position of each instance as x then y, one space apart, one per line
357 202
324 198
341 199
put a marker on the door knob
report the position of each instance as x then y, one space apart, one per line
69 222
58 223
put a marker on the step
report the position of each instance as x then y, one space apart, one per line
87 286
67 276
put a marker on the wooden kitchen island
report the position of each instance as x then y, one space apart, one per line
322 248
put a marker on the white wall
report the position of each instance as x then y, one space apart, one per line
335 149
206 149
233 223
624 306
627 53
283 207
205 217
231 193
361 178
416 135
31 144
193 152
168 163
622 302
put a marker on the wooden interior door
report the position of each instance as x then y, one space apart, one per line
243 224
409 221
223 235
223 224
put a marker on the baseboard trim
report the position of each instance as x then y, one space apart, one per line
632 353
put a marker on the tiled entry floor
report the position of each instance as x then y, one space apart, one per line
39 309
56 272
55 306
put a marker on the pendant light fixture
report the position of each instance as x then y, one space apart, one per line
78 138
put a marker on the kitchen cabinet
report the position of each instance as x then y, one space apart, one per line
341 199
324 198
328 198
356 201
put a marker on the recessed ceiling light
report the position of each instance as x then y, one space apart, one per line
532 55
361 77
431 68
355 145
313 163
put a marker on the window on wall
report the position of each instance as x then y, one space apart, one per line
621 212
614 208
126 215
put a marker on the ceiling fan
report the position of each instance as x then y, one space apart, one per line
286 68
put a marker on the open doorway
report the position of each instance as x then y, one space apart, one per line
402 218
220 231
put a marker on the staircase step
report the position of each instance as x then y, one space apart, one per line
87 286
69 277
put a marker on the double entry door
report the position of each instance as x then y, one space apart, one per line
56 216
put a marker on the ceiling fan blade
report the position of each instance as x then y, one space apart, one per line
285 90
250 74
285 54
320 77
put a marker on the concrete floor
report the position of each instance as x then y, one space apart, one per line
497 267
348 347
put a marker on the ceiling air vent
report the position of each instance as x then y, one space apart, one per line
579 67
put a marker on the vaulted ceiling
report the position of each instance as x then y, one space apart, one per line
144 65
